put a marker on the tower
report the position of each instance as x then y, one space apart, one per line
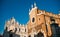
32 14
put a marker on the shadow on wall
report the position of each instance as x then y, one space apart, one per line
9 34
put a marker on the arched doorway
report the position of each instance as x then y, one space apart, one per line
40 34
10 33
54 29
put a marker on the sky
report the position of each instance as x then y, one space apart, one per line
19 9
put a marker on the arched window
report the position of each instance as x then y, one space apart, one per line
40 34
52 19
29 36
25 30
15 30
19 29
33 19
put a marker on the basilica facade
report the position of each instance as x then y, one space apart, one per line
40 24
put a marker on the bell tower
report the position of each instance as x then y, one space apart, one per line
33 14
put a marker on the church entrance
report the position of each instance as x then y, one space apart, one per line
55 29
10 33
40 34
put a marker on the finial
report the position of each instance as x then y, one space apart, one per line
17 22
59 12
29 10
23 24
20 24
34 4
12 18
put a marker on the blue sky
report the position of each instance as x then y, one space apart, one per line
19 9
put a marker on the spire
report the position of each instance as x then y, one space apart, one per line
31 6
13 19
29 10
59 12
34 4
18 23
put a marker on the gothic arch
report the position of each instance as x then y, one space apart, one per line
10 33
54 29
40 34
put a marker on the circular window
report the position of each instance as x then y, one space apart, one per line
33 19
